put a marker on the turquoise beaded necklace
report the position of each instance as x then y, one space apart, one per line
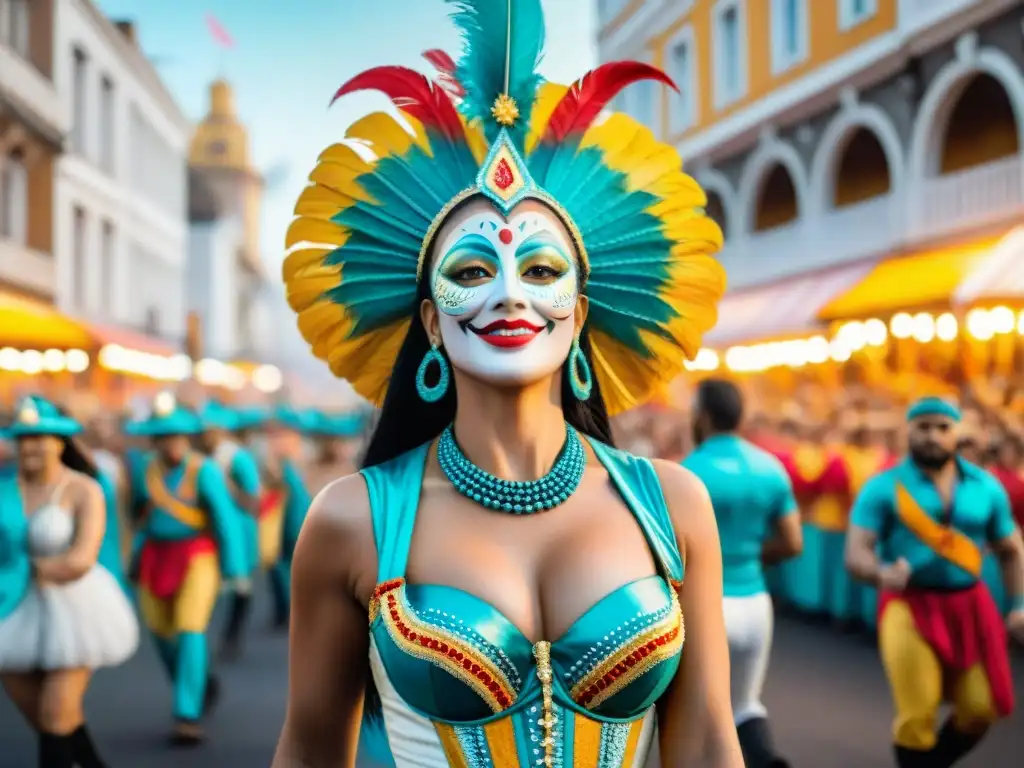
517 497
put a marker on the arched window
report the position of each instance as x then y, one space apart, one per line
715 209
981 128
862 170
776 200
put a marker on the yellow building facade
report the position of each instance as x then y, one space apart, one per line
836 138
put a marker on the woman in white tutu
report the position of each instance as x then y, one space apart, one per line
62 615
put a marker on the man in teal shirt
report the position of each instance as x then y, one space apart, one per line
919 532
758 524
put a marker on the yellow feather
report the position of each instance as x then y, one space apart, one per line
476 141
339 178
548 97
299 259
307 230
322 202
419 135
382 133
306 291
344 155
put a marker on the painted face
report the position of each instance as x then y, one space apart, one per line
506 292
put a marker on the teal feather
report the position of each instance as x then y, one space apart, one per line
481 69
379 259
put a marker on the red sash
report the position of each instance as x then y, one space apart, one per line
964 628
164 564
271 501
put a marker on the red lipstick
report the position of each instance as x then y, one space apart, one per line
508 334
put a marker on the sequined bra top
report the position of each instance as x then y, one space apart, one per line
461 686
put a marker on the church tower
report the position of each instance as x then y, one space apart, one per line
220 164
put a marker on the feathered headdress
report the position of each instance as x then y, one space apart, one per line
491 126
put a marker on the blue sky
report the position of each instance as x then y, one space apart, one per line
286 65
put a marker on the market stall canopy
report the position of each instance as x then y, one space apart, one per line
919 281
27 323
999 278
783 309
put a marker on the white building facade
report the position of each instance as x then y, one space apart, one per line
120 204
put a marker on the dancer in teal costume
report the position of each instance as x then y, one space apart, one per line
243 477
189 540
76 618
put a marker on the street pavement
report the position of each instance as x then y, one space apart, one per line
826 695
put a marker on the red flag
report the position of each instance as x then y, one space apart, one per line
220 35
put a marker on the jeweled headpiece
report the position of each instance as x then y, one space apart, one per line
490 126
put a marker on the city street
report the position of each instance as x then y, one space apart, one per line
826 693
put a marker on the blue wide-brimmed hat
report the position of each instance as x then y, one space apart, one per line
289 417
166 418
340 425
38 416
249 418
215 415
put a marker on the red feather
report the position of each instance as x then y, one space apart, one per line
412 93
591 93
445 66
442 62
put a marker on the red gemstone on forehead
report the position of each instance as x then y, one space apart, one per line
505 236
503 175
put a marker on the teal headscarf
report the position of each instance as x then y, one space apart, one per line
933 406
215 415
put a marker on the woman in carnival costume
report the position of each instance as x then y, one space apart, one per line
62 613
284 504
242 474
500 280
189 539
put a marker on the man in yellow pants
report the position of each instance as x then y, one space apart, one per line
189 538
940 633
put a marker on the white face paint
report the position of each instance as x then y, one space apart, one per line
507 294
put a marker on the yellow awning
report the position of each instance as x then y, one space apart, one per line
919 281
32 324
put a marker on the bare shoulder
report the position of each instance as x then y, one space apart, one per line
688 502
337 537
85 488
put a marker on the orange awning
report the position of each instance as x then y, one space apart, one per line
27 323
921 281
133 340
783 309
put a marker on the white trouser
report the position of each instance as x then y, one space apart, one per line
748 624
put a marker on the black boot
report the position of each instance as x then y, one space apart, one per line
55 751
84 750
231 646
914 758
953 744
756 743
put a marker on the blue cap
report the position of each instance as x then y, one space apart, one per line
38 416
933 406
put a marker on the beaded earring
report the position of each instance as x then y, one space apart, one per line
580 378
436 392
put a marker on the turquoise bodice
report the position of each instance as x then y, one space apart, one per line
460 685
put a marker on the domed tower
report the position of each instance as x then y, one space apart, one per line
220 166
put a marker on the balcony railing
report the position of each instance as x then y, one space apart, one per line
26 86
985 195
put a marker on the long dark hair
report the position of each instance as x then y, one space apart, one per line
75 455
